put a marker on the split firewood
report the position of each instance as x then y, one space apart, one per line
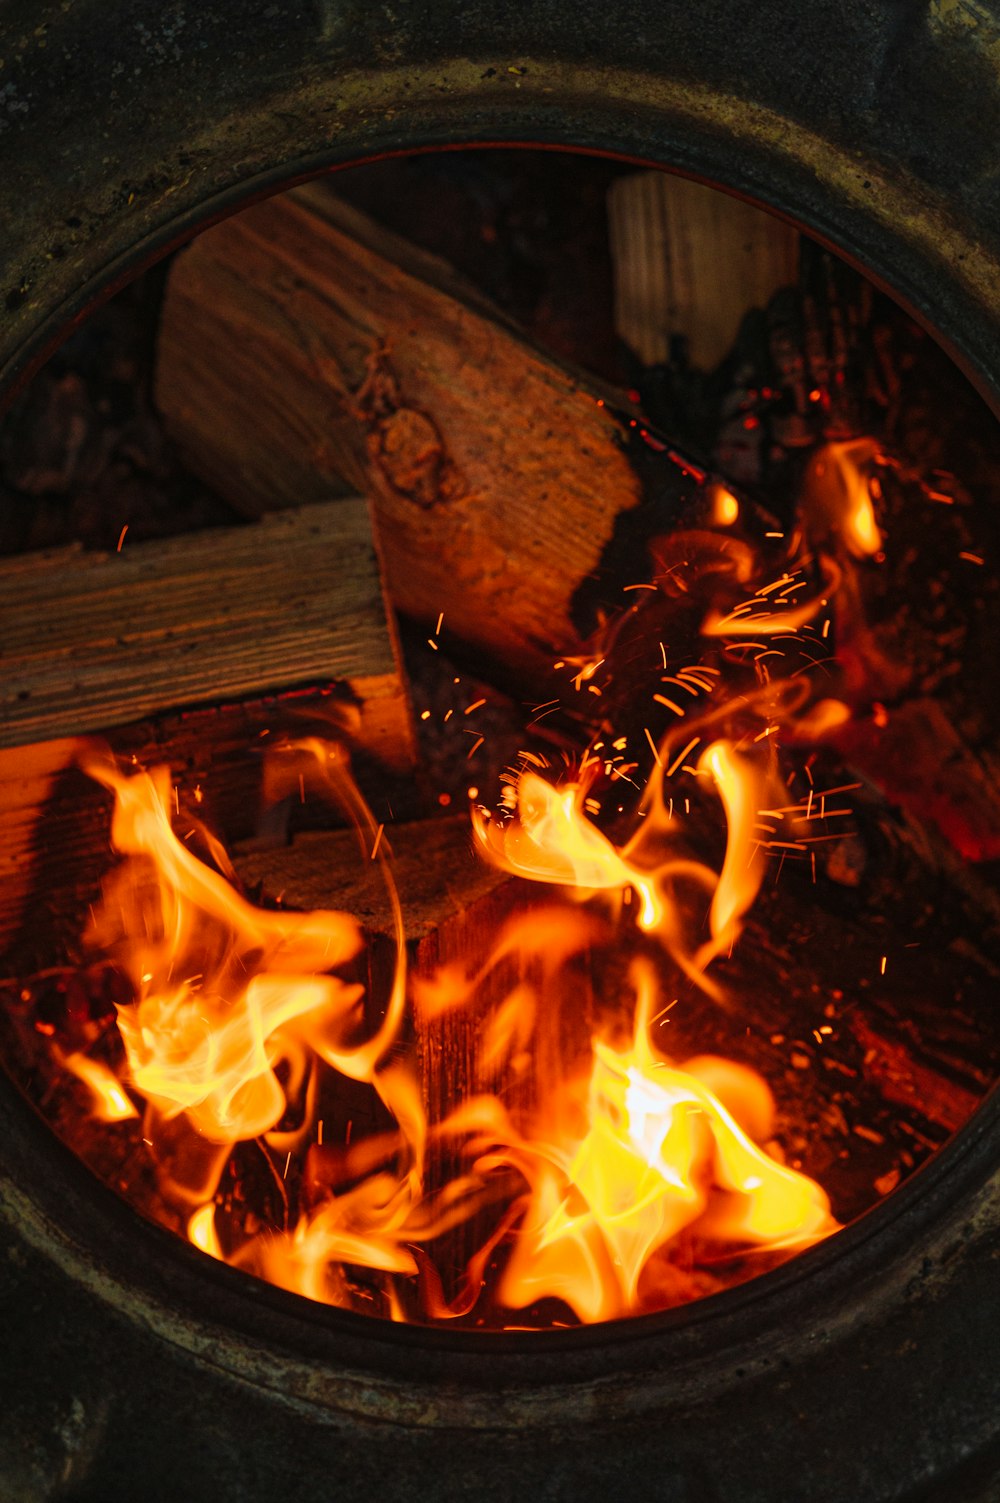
453 909
456 910
93 640
689 264
93 643
300 342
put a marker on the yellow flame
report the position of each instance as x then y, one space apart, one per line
661 1156
109 1101
201 1231
837 493
552 840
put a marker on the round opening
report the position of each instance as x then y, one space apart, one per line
539 863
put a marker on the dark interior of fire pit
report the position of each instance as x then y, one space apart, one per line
208 421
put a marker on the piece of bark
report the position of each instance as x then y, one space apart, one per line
300 342
433 864
91 640
907 1081
690 263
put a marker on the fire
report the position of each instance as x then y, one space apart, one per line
577 1163
662 1156
743 790
552 840
238 1010
201 1230
837 494
109 1100
221 987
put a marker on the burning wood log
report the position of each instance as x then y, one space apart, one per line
907 1081
496 475
914 639
690 263
453 905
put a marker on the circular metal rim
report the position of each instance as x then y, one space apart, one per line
935 242
730 1318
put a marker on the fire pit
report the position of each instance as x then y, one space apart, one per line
915 1272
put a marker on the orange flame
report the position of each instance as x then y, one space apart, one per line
661 1156
837 493
109 1101
207 1044
549 838
552 840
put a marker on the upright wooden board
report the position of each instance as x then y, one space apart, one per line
690 262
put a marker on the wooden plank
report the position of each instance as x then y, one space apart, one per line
690 262
90 641
118 643
301 342
435 868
